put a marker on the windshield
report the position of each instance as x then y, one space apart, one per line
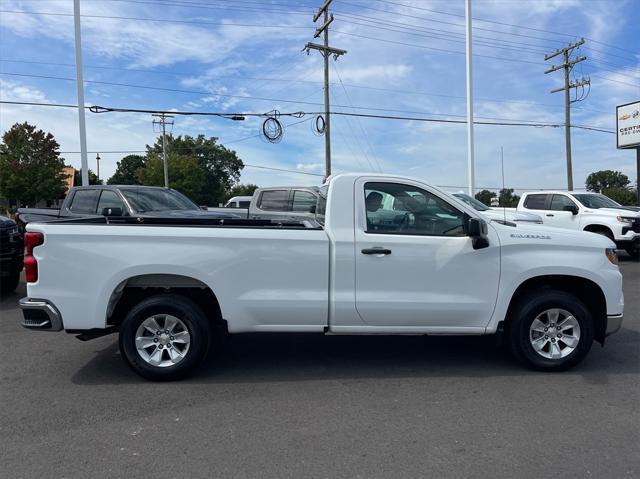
596 201
156 199
475 204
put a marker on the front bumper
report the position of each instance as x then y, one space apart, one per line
614 323
40 314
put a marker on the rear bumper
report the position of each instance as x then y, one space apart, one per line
40 314
614 323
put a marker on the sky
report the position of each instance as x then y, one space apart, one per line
404 58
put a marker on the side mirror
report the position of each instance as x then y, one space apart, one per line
478 230
312 209
572 208
111 211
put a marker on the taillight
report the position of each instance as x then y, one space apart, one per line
31 240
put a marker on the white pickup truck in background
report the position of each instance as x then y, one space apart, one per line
389 255
589 212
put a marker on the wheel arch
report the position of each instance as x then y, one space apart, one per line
584 289
597 228
136 288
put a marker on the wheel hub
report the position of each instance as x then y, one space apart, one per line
554 333
162 340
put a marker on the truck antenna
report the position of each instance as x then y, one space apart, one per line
504 211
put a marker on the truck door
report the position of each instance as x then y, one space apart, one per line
558 214
415 266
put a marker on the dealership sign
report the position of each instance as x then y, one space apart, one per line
628 125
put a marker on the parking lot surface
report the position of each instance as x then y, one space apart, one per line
314 406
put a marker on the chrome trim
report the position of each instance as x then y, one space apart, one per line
54 322
614 323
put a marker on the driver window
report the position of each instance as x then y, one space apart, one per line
394 208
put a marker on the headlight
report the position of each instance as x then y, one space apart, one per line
612 256
624 219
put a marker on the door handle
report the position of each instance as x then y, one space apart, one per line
376 251
549 214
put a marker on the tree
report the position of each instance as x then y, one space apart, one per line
93 178
30 165
507 199
126 170
605 179
186 175
485 196
624 196
217 167
241 190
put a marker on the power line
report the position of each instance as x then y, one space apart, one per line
290 81
276 100
495 23
163 20
342 113
437 49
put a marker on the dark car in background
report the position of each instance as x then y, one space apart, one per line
11 255
125 200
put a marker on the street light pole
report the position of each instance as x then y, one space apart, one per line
80 87
98 165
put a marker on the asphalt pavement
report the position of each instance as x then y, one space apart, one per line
306 406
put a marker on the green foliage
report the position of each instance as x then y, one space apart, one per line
241 190
507 198
624 196
126 170
606 179
485 196
185 175
93 178
214 168
30 165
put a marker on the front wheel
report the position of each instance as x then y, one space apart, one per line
165 337
551 331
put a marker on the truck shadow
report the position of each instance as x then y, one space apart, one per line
260 358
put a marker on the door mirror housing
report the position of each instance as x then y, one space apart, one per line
312 209
478 230
111 211
572 208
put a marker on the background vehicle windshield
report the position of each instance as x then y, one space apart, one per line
152 199
475 204
596 201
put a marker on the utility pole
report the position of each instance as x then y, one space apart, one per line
470 147
98 165
80 88
326 51
163 122
567 65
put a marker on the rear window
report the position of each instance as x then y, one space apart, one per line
244 204
274 200
303 201
84 201
535 202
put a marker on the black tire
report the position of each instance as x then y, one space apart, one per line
10 283
196 322
528 310
634 253
606 233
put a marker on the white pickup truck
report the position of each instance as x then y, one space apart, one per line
390 255
589 212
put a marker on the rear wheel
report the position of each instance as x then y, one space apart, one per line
165 337
551 331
